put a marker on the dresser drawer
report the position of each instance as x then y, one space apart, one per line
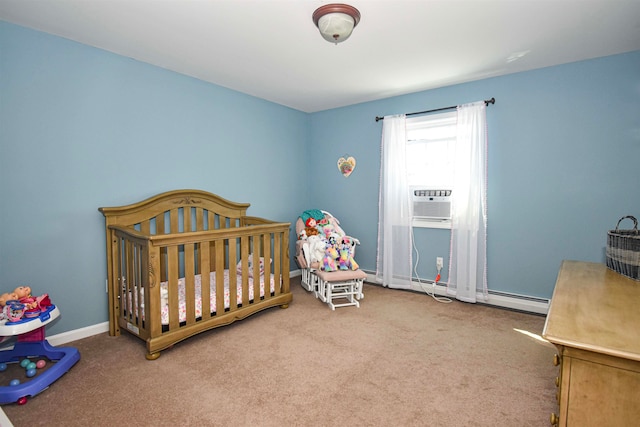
598 390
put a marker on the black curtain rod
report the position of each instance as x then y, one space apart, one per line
486 102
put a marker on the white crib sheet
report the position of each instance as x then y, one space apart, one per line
182 306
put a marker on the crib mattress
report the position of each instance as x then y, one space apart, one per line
182 307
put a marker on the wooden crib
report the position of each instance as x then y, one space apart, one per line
160 252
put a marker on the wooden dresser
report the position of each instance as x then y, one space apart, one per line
594 321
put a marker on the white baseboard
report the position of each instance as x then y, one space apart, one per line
78 334
4 420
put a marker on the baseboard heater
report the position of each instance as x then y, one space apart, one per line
520 297
519 302
496 298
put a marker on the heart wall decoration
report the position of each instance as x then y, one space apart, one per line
346 165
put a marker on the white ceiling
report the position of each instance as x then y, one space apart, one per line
271 48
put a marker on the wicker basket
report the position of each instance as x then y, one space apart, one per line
623 250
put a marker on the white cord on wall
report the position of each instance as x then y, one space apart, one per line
415 270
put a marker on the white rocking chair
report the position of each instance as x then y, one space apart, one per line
340 288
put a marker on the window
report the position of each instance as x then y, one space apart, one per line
430 153
430 150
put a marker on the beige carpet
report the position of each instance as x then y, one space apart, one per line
401 359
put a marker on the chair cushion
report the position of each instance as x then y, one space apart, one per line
340 275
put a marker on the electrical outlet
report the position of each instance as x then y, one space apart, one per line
439 263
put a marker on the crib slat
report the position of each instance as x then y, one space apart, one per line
222 222
128 280
266 253
233 273
256 268
212 226
160 224
244 256
141 289
152 292
172 287
114 280
134 283
199 219
160 230
173 221
277 267
186 219
205 276
189 277
145 227
219 257
284 263
211 220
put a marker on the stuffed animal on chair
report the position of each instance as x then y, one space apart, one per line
346 261
331 255
316 249
311 227
329 263
351 242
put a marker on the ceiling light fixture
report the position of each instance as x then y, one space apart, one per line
336 21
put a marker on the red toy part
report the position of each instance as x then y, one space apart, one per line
43 302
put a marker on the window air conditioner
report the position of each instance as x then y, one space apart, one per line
431 204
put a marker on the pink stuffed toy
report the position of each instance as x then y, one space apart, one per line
330 256
346 261
328 263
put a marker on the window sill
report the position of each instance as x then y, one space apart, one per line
431 223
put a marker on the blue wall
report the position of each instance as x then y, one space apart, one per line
563 167
83 128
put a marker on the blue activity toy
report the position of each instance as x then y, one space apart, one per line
32 343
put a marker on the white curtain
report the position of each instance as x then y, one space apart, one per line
468 256
394 260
